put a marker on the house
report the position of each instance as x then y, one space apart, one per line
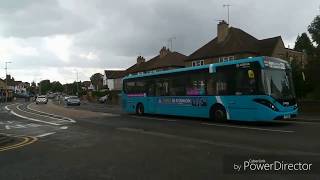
2 84
3 91
88 86
113 79
165 60
233 43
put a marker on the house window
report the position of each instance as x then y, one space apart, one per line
226 58
198 63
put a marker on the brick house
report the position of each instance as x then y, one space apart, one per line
165 60
113 79
233 43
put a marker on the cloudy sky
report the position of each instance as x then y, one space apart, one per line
53 39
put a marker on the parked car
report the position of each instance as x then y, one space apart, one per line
72 100
103 99
41 100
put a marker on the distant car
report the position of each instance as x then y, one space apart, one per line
103 99
72 100
41 100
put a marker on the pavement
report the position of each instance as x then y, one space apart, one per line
58 142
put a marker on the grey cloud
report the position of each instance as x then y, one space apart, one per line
39 19
119 31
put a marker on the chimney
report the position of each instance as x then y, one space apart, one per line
164 51
140 60
223 29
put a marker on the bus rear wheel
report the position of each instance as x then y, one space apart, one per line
140 109
218 114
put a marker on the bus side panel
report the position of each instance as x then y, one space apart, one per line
240 107
183 106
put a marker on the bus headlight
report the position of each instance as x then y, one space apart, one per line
266 103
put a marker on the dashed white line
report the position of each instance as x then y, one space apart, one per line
250 128
45 134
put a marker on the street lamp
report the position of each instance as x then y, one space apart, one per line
6 68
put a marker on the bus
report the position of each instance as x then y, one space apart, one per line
251 89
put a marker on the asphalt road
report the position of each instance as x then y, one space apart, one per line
73 143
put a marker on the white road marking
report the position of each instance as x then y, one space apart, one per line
45 134
158 119
20 126
219 144
31 119
246 127
63 117
110 114
58 119
64 127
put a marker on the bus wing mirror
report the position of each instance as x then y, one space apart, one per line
212 68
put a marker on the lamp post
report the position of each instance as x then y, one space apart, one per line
6 68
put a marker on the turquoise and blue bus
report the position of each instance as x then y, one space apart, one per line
251 89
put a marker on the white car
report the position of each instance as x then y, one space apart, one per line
41 100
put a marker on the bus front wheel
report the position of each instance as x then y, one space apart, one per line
218 114
140 109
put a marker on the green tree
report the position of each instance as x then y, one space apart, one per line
56 86
44 86
97 81
303 43
314 30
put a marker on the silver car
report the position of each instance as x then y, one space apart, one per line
72 100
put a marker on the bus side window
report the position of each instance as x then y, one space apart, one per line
150 88
162 88
197 85
225 84
211 86
177 86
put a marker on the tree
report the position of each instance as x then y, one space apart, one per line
56 86
303 43
44 86
97 81
314 30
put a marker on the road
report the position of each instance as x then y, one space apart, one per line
72 143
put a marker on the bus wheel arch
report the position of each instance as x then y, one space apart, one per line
140 109
218 113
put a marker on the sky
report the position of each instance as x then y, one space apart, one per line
55 39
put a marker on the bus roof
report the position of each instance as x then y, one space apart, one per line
259 59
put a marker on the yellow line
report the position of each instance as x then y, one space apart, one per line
26 141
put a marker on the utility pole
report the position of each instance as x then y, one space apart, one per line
6 68
77 83
170 40
228 9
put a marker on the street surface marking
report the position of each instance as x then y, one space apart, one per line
26 141
158 119
44 135
246 127
20 126
221 125
64 127
31 119
220 144
58 119
63 117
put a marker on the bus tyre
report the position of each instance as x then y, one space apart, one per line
140 109
218 114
